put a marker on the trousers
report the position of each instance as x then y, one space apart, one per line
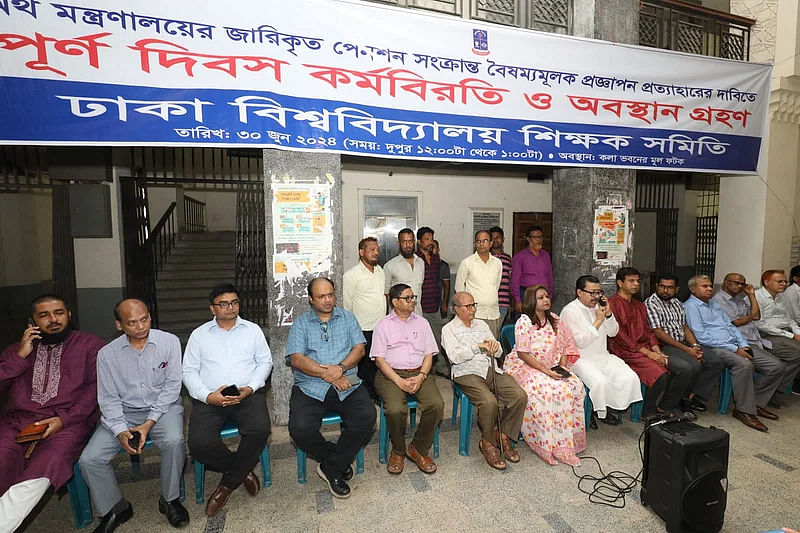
429 402
509 395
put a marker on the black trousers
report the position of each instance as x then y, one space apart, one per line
305 419
206 446
367 368
653 395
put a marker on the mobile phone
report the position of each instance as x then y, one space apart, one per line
602 301
230 390
353 379
561 371
134 441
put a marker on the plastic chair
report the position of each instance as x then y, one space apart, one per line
302 457
465 425
636 408
383 433
78 491
229 430
507 335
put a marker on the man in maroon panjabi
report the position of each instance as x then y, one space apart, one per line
50 378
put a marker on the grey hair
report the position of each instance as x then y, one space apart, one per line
693 280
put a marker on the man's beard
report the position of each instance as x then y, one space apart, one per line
56 338
405 254
665 298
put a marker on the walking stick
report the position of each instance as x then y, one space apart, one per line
497 400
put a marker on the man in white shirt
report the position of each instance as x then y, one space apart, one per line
777 326
406 267
612 383
225 366
364 297
792 294
480 274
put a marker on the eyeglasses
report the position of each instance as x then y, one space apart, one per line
408 299
482 241
469 306
225 305
324 327
596 294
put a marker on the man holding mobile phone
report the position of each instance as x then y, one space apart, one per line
139 389
224 352
403 348
324 348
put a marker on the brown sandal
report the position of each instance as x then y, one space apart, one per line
424 462
395 464
508 451
491 454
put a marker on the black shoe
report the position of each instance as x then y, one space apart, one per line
610 419
697 405
112 520
348 473
593 421
338 486
177 515
685 405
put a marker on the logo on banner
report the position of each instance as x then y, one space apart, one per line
480 42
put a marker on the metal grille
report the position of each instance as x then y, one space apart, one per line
23 167
139 272
689 38
732 46
64 252
499 11
549 15
666 240
452 7
707 211
648 29
203 168
251 253
655 193
194 213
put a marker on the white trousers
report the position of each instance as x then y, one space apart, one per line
19 500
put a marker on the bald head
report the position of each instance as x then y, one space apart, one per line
464 305
133 319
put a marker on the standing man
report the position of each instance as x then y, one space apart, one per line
667 318
139 391
504 299
470 347
441 364
225 367
50 380
403 350
715 333
777 325
529 267
662 373
479 274
406 267
612 384
363 296
324 347
432 283
738 299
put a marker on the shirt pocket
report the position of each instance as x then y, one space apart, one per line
159 376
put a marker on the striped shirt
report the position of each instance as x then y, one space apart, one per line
504 292
669 316
431 284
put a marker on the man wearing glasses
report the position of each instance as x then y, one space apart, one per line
480 274
324 348
530 267
612 384
403 350
225 366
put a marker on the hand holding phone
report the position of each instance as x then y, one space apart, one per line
134 441
602 301
561 371
230 390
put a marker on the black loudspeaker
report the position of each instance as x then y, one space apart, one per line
685 476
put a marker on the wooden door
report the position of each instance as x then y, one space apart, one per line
524 220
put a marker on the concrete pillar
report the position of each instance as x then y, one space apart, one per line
577 191
288 298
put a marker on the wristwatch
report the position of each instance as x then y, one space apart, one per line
695 345
344 368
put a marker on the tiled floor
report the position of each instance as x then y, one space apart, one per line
466 495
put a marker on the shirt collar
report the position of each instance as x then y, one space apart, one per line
336 312
393 316
213 324
694 298
365 269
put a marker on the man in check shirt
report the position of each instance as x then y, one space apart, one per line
403 350
479 274
777 326
363 296
138 390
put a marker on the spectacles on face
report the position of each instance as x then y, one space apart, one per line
408 299
469 306
595 294
324 327
781 282
481 241
225 305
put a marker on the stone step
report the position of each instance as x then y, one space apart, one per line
199 264
168 306
187 318
204 282
203 273
184 293
208 236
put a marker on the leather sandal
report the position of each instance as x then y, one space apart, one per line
424 462
491 454
395 463
509 452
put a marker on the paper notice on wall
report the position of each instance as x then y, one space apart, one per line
301 217
610 236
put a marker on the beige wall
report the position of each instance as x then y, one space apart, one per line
25 238
220 208
446 200
98 262
158 200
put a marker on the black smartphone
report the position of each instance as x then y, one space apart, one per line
134 441
602 301
353 379
230 390
561 371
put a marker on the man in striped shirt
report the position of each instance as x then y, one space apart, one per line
504 292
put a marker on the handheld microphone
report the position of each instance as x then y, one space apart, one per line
684 417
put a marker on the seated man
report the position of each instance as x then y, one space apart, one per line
470 347
403 348
50 378
612 384
225 367
667 377
153 408
713 329
667 317
324 347
777 325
